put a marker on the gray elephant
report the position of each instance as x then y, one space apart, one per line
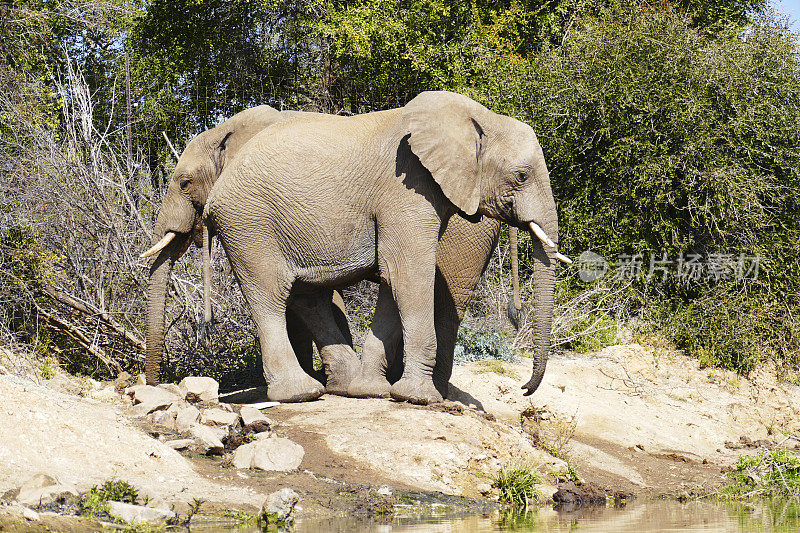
179 223
316 203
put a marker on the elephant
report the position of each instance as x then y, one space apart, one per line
179 223
316 203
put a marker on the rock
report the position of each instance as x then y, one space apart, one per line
250 415
107 394
179 444
38 481
136 513
220 431
270 454
206 439
148 394
147 399
30 514
173 389
141 379
281 503
200 389
571 494
163 419
384 490
218 417
243 456
186 417
48 494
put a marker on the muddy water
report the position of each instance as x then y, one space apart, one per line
638 516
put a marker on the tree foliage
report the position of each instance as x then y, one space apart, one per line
669 126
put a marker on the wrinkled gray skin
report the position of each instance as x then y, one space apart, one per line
196 171
322 202
462 255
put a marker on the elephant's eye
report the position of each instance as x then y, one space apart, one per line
185 182
521 176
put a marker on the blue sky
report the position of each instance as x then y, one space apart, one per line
791 8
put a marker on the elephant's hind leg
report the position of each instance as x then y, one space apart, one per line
382 343
340 361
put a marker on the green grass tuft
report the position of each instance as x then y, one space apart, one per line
517 484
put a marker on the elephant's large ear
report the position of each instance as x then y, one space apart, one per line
448 139
240 128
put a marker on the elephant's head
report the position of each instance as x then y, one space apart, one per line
179 221
492 165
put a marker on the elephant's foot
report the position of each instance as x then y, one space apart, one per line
342 369
420 391
289 389
372 386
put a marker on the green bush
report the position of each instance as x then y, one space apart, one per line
774 474
661 139
95 501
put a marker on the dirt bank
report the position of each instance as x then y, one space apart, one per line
628 418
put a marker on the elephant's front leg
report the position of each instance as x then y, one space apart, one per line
340 361
411 274
286 380
381 346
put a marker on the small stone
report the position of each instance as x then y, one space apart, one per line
269 454
250 416
179 444
186 418
281 503
227 407
141 379
206 439
137 513
147 399
30 514
218 417
484 489
163 419
243 456
384 490
107 394
148 394
200 389
173 389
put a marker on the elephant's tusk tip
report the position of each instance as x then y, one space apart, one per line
563 258
160 245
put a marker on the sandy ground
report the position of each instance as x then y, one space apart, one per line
628 417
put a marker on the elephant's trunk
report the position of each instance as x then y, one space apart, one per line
513 244
207 241
156 305
543 292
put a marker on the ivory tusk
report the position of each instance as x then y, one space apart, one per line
160 245
539 232
563 258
